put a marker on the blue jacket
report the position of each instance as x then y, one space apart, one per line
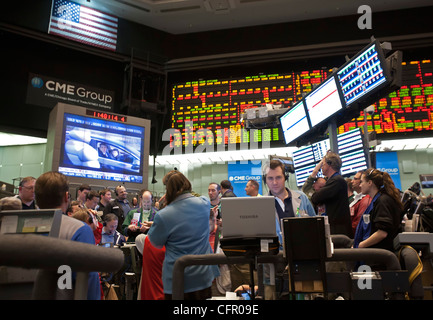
76 230
183 228
301 207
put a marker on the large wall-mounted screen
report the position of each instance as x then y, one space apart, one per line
98 148
101 149
217 104
352 152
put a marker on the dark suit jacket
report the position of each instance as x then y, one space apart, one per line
334 196
228 194
114 207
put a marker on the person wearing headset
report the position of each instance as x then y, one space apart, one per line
288 203
332 197
109 232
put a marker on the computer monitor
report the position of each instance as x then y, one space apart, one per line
294 123
352 152
324 101
350 149
364 74
426 180
43 222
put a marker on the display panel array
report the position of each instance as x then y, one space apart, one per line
218 104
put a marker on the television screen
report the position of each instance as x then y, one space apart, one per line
91 145
362 74
350 141
101 149
324 101
294 122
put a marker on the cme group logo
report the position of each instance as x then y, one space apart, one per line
37 82
389 170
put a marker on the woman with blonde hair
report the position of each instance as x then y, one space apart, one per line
381 221
183 228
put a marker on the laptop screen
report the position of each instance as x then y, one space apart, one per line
248 217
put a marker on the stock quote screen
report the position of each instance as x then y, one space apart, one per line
407 110
216 105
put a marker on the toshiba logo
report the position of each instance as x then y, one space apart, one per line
249 216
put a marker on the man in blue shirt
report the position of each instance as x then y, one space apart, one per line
52 192
288 203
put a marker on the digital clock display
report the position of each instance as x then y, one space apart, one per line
106 116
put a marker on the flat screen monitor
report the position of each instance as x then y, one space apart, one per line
426 180
42 222
364 74
350 149
324 101
99 148
320 149
294 123
352 152
303 157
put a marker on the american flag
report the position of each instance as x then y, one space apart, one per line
79 23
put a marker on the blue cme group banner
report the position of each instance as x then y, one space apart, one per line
388 162
239 172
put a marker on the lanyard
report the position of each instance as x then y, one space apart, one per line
363 229
370 206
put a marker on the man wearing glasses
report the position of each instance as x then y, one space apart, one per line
26 193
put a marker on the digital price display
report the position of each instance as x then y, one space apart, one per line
407 110
217 105
303 157
106 116
350 149
320 149
323 102
294 123
362 75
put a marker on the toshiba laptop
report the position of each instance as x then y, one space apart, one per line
245 217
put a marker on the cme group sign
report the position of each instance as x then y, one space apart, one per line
47 92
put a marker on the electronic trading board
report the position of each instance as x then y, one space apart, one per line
409 109
217 105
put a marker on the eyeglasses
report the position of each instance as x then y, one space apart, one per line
30 188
